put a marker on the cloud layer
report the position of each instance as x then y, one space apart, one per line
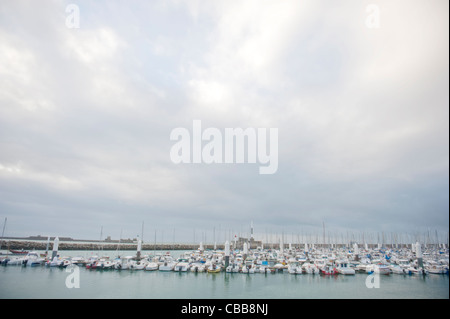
86 115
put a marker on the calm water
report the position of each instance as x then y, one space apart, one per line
43 282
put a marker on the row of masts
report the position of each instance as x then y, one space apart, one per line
272 239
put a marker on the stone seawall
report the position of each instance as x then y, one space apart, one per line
38 245
27 245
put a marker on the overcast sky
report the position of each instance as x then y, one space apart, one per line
86 114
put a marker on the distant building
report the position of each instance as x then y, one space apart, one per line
253 244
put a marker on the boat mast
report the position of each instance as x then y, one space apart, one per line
3 232
154 246
101 235
118 244
324 242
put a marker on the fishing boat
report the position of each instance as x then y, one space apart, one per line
328 270
343 268
91 262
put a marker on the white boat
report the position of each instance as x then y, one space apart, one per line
362 268
320 263
404 264
181 266
311 269
293 267
264 269
104 264
79 261
56 262
244 269
414 270
124 263
151 266
167 266
328 269
236 268
344 269
397 269
280 267
251 269
16 261
91 263
33 259
436 269
66 262
381 269
198 267
139 265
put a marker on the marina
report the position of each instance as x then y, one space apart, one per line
292 272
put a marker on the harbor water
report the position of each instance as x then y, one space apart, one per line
45 282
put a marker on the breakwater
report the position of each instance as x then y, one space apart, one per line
35 245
